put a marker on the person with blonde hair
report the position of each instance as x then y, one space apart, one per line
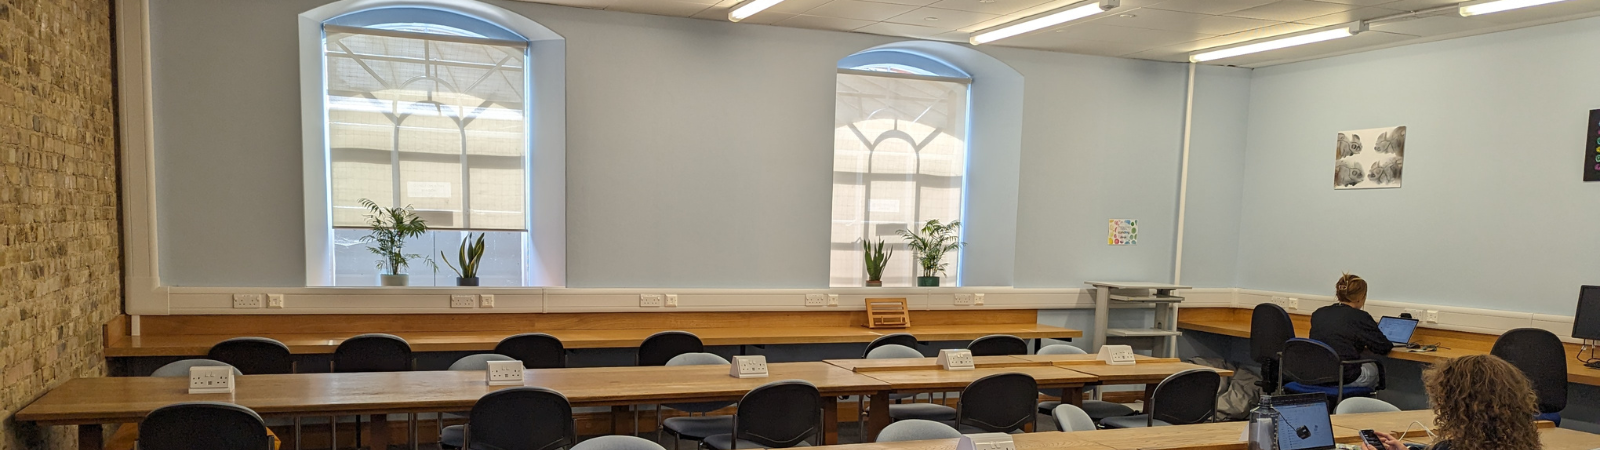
1480 402
1350 331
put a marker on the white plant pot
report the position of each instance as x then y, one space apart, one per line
394 280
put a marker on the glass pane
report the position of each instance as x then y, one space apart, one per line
502 263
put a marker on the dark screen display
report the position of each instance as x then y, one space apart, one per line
1587 324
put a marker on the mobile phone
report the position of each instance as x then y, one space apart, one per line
1372 439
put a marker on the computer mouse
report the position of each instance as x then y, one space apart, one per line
1304 432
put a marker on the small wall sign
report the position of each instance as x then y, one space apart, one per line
1124 232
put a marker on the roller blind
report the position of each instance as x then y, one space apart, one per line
432 121
898 161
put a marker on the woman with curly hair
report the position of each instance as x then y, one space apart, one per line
1480 402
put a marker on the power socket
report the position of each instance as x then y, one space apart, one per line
672 300
963 299
816 299
956 359
1294 303
211 380
463 301
486 301
275 301
650 300
1414 313
748 366
505 373
247 301
977 299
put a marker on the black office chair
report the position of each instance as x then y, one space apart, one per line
777 415
695 428
998 345
207 425
373 352
999 403
903 339
1185 398
1313 367
519 418
661 347
254 355
1540 355
535 350
1096 409
1270 328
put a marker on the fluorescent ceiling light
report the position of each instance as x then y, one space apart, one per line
1042 21
750 8
1501 5
1320 36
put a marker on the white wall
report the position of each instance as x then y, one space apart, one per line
699 152
1493 213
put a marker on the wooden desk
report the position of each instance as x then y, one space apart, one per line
1209 436
1564 439
89 402
1394 423
919 381
982 362
1026 441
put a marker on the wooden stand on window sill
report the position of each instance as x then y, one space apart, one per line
888 313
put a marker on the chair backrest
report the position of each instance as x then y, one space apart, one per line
901 339
1186 397
535 350
999 403
521 418
698 359
893 351
659 348
998 345
1061 349
1361 405
254 355
618 442
916 430
375 352
180 368
479 361
1541 356
207 425
1072 418
1270 328
782 414
1311 362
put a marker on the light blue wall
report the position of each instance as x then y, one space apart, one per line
1493 213
1216 177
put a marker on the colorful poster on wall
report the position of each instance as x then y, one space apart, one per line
1591 152
1124 232
1369 159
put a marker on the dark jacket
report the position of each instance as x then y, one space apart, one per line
1349 331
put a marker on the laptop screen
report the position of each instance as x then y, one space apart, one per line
1305 424
1397 329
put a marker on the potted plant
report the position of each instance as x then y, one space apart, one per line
876 259
390 229
469 256
930 245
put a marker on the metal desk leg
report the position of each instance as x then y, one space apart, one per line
91 437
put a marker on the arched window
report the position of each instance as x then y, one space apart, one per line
900 157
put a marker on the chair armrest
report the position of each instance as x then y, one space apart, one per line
1358 361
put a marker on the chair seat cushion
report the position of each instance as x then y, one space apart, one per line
1095 408
725 442
1048 407
697 428
452 436
969 429
1331 391
924 411
1137 421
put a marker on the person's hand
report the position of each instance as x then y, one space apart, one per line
1389 442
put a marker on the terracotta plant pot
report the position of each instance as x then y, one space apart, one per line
927 281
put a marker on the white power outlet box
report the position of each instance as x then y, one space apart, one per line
986 441
816 299
463 301
247 301
833 299
486 301
1432 316
1415 313
977 299
211 380
275 301
748 366
505 373
672 300
651 300
963 299
1116 355
1280 301
956 359
1294 303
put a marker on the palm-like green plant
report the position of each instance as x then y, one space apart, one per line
471 254
931 244
876 258
390 229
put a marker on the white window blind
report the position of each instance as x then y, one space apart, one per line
899 159
432 121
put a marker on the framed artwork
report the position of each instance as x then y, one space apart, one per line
1369 159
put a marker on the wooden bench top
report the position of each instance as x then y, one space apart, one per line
982 362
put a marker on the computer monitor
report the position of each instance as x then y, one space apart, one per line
1587 323
1397 329
1304 423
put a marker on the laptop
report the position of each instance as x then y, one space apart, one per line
1304 422
1397 329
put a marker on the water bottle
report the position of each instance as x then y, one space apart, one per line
1262 431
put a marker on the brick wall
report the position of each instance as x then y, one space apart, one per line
60 275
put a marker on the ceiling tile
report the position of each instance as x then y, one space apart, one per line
1292 10
993 7
794 6
823 23
1158 19
720 13
1351 16
860 10
1235 38
947 19
909 2
659 7
1137 36
1214 7
1361 2
912 31
1418 5
1428 26
594 4
1312 51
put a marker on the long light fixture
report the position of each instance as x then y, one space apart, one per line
1343 31
1043 20
750 8
1492 7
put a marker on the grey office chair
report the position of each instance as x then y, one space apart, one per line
518 418
1185 398
468 363
1072 418
904 411
776 415
180 368
1361 405
1000 403
1096 409
618 443
916 430
901 339
203 425
695 428
998 345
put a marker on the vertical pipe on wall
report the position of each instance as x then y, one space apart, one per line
1183 179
